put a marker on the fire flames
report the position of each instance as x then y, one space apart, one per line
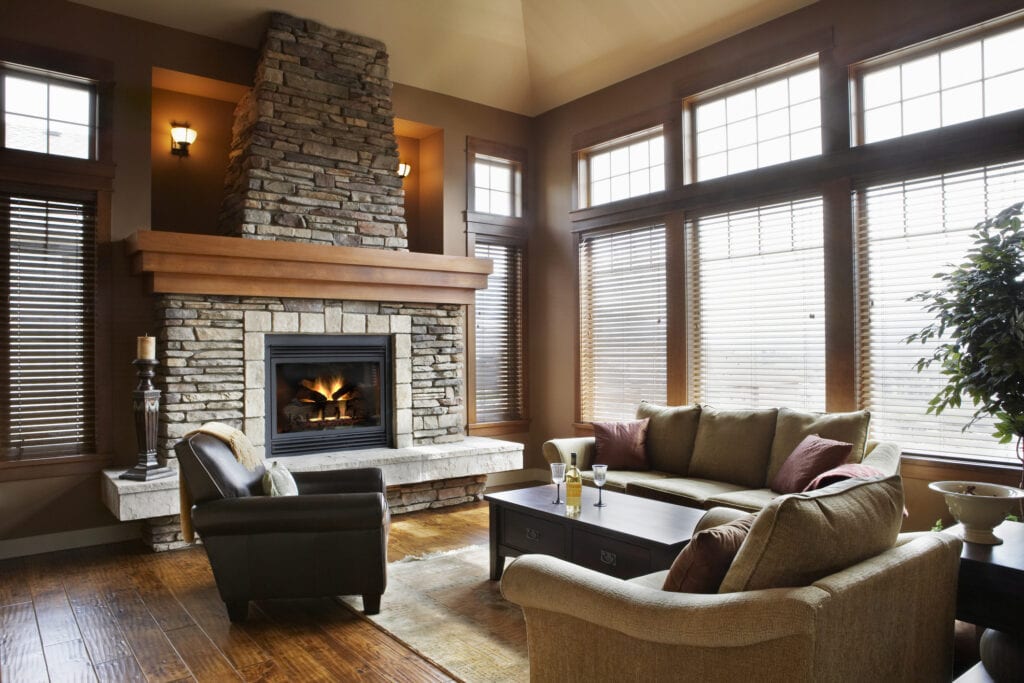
330 391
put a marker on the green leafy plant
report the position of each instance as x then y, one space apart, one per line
938 526
979 322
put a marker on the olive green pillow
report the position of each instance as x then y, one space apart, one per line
733 446
670 435
793 426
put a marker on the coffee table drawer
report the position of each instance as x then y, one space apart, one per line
532 534
610 556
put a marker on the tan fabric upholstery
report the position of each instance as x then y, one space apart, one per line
792 426
715 516
733 446
618 480
670 435
561 450
883 455
888 618
799 538
749 499
692 492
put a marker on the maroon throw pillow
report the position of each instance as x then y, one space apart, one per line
811 457
704 562
850 470
620 445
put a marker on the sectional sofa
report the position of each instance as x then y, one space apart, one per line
705 457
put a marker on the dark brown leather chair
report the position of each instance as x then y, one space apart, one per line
331 539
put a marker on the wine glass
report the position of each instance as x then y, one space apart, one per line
557 476
600 477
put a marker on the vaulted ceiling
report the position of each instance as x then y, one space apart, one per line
525 56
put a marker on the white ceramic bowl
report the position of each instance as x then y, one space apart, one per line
980 507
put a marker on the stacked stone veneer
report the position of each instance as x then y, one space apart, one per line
213 361
314 155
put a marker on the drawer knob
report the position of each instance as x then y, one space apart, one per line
608 558
532 534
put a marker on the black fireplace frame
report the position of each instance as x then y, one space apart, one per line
328 348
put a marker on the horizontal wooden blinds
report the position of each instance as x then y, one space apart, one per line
906 232
499 336
623 321
47 342
756 303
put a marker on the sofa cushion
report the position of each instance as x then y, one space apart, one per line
703 562
811 457
750 500
733 446
621 445
802 537
793 426
618 480
670 435
680 490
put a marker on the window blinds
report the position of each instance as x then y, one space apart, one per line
47 318
906 232
622 327
499 336
756 307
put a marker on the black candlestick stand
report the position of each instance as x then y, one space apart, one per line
146 406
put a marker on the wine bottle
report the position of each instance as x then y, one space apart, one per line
573 489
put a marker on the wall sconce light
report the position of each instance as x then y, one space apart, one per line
404 170
182 136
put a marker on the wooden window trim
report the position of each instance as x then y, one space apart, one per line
518 157
44 468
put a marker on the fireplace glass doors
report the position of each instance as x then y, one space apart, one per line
327 392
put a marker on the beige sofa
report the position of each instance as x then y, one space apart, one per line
822 589
703 457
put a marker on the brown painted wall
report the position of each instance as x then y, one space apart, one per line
187 191
409 153
133 47
859 30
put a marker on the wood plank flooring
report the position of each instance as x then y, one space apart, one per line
122 613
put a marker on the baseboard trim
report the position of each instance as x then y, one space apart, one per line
517 477
66 540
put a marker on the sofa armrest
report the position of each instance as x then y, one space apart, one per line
540 582
560 450
361 480
716 516
269 514
884 455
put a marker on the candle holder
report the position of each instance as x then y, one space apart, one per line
146 406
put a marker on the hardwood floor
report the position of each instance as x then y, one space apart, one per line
122 613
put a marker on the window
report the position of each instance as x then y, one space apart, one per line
498 335
757 300
497 186
952 80
744 126
48 115
47 315
626 167
623 321
907 231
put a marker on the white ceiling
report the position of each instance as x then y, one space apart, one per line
525 56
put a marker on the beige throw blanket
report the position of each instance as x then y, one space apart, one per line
244 452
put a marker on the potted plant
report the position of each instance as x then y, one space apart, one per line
979 322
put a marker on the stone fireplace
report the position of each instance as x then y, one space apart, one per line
316 254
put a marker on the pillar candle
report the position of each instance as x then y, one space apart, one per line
146 348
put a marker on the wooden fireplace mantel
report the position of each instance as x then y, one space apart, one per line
182 263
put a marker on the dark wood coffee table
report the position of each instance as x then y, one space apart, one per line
629 537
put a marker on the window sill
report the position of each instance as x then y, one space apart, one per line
499 428
938 468
48 468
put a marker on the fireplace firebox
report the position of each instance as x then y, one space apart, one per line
327 393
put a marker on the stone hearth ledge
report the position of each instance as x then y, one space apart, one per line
476 455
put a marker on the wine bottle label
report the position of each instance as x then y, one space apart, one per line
573 491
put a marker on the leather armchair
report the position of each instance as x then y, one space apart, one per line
331 539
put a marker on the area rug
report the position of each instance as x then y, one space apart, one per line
444 607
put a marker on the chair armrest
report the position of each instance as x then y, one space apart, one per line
560 450
716 516
365 479
268 514
884 455
540 582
